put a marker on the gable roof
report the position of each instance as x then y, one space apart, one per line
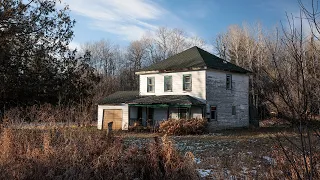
194 57
120 97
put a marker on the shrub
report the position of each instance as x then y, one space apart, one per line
79 153
183 126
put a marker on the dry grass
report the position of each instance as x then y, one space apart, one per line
80 153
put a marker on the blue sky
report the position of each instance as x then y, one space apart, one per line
121 21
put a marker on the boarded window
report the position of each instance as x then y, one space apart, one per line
233 110
150 85
187 82
229 81
213 113
167 83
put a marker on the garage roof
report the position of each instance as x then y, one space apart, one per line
120 97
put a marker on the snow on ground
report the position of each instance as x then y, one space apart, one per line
204 172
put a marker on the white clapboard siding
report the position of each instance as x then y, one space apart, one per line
198 84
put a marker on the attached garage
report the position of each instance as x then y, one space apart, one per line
114 109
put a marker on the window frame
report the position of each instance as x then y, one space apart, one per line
184 82
215 115
233 110
229 81
165 87
151 85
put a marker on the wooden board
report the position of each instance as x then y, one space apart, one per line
112 115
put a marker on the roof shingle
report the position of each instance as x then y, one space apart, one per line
194 57
120 97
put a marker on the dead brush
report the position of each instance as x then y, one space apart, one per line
183 126
6 143
79 153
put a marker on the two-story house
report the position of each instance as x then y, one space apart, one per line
191 84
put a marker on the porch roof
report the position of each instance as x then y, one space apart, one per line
167 100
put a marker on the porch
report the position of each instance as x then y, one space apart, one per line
149 111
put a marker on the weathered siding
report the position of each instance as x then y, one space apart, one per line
125 119
198 84
224 99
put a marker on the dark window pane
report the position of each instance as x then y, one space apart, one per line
213 112
168 83
187 83
228 81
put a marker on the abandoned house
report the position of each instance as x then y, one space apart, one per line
191 84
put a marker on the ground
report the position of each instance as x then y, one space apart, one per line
239 153
250 153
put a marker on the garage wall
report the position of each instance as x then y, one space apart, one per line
125 118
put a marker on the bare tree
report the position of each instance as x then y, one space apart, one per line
103 56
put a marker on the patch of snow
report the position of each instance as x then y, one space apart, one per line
204 172
245 170
197 160
270 160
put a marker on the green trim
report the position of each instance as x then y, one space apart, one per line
150 105
161 105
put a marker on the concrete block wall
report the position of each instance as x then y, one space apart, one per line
218 95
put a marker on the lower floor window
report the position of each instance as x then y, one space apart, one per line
213 114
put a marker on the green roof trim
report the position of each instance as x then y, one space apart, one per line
194 57
150 105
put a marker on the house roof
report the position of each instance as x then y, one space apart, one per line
120 97
194 57
132 97
168 100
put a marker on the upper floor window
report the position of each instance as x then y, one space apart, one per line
187 82
150 85
229 81
167 83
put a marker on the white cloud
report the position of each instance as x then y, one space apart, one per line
127 18
74 45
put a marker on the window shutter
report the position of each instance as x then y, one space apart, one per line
165 83
183 82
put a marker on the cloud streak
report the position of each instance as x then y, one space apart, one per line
129 19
